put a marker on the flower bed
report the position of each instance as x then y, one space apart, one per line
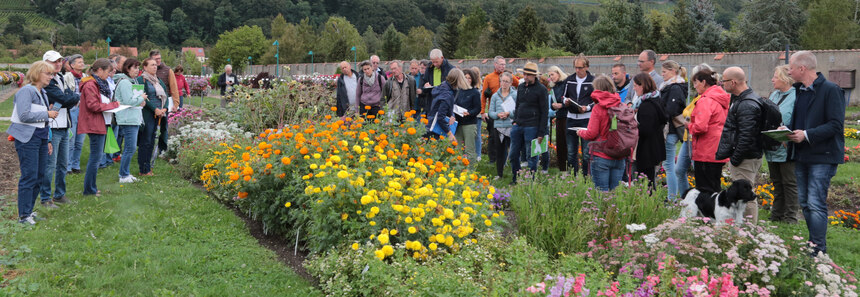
852 133
199 85
343 183
845 218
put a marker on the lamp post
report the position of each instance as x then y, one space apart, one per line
108 43
202 71
354 56
277 59
312 61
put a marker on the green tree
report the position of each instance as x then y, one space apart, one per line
638 27
225 17
571 37
392 43
471 27
371 40
418 43
709 33
238 45
766 25
500 21
450 36
680 37
528 30
15 25
179 26
831 25
609 35
336 39
279 26
191 64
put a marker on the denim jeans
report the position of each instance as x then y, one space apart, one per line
33 159
685 159
813 181
76 142
669 166
573 144
181 101
129 134
521 141
607 173
58 163
478 138
97 147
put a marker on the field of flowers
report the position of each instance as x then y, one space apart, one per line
383 212
10 77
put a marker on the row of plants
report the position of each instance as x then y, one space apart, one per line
10 77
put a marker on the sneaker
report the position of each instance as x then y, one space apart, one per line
49 204
62 200
28 220
117 159
127 180
479 158
35 218
76 171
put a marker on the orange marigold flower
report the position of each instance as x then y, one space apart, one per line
411 131
286 160
246 157
333 108
303 151
381 112
243 195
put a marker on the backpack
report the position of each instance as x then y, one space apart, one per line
623 133
771 119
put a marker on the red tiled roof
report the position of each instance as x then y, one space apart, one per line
198 51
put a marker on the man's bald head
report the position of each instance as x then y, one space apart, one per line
734 80
735 73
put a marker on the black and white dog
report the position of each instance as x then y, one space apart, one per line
728 204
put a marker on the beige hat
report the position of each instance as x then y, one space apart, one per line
531 68
51 56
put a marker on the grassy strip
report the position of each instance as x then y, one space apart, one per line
161 236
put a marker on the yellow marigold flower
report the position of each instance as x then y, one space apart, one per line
355 246
344 216
408 220
335 158
366 199
412 230
288 204
388 250
488 223
383 238
449 241
374 209
379 254
393 232
372 223
432 246
440 237
456 223
431 204
342 174
313 166
317 156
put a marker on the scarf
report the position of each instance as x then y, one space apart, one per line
159 91
674 80
638 99
371 80
104 89
77 75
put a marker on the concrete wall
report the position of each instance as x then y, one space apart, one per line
757 65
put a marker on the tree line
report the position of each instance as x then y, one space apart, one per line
409 28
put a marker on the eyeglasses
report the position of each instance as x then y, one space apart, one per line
579 68
726 80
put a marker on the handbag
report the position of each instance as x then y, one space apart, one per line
111 146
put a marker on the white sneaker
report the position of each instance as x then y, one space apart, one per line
127 180
479 158
28 220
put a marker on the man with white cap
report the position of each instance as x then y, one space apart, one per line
61 98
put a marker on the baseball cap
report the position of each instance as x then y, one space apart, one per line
51 56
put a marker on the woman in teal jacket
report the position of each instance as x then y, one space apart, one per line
128 120
786 207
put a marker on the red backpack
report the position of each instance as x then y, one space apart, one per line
623 133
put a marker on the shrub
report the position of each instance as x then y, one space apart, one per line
495 267
339 182
759 261
285 103
563 213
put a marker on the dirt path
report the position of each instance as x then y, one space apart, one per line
8 157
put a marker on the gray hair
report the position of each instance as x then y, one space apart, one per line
74 58
228 66
435 53
701 67
398 62
652 56
507 74
804 58
414 62
497 58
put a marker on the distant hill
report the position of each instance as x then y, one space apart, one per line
26 9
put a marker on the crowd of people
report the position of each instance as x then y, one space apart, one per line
700 120
722 123
65 101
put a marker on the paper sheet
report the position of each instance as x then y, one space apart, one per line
778 135
460 111
509 105
120 108
539 147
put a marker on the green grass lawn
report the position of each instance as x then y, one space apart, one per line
158 237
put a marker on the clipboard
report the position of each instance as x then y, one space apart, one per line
33 108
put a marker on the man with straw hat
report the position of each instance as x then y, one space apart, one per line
529 118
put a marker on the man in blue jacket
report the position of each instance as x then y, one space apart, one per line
434 75
818 141
61 98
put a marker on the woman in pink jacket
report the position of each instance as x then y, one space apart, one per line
606 171
706 127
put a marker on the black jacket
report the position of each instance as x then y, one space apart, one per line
59 95
674 100
342 103
428 74
651 148
531 109
558 91
222 82
583 98
741 138
470 100
821 113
